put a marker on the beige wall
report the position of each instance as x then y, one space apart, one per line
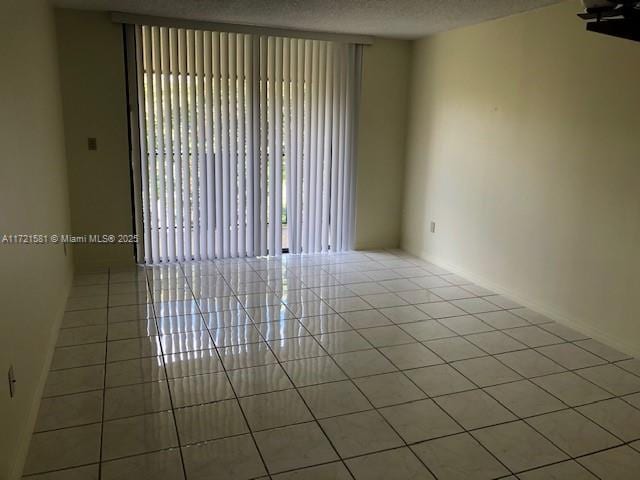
381 138
34 280
523 147
92 74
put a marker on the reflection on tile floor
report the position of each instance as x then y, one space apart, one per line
360 365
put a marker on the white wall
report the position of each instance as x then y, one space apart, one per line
523 147
92 74
34 280
381 139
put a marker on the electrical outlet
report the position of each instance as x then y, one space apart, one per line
433 227
92 143
11 376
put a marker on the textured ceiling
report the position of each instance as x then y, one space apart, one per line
386 18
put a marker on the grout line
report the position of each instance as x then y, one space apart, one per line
355 385
166 381
301 397
523 419
337 353
606 362
624 444
104 379
423 342
434 397
228 378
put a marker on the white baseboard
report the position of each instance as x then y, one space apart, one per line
24 441
521 297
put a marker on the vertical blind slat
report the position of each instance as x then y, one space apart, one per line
240 241
277 90
199 158
224 106
217 141
185 225
354 78
250 137
158 162
142 135
257 146
300 136
286 112
263 146
317 215
348 146
151 146
176 167
208 167
271 142
306 178
335 137
326 161
168 143
341 155
193 146
313 139
200 191
233 149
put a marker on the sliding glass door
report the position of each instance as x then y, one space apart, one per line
242 144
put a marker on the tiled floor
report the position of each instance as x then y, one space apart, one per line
362 365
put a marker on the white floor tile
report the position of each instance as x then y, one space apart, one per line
383 348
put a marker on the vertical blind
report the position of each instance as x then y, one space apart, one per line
234 133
